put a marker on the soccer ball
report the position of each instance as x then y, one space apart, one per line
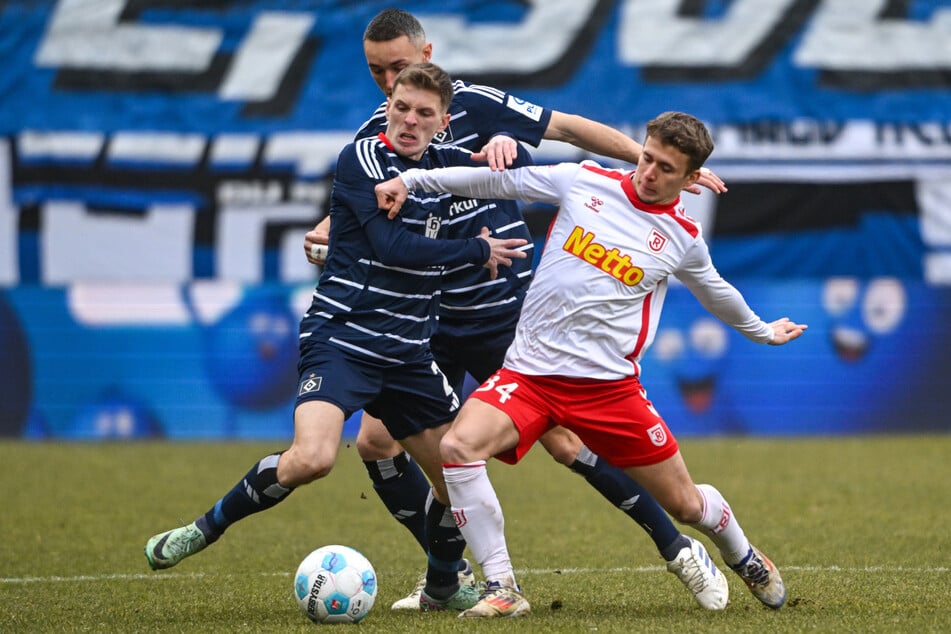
335 584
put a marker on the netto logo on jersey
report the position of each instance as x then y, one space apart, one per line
582 245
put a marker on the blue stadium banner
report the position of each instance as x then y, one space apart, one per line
160 162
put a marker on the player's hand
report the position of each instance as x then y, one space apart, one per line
502 252
709 180
316 241
390 196
785 331
499 152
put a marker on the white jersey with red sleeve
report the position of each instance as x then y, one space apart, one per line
594 305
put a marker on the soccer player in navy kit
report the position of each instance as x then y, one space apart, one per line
477 315
364 339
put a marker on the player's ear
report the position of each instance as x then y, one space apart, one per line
692 178
428 52
445 121
386 110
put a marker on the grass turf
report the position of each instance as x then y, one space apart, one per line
858 526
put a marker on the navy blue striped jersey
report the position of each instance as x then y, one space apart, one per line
378 293
471 302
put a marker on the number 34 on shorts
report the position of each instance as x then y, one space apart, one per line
504 390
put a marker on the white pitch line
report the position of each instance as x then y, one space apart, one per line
528 571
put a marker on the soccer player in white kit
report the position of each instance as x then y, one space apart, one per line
588 318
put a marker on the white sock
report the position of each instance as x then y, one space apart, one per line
479 517
720 525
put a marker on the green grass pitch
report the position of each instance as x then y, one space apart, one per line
860 528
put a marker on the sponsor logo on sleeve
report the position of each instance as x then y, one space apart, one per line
527 108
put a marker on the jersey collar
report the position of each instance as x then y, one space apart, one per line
627 186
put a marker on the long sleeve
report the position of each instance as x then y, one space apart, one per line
531 184
719 296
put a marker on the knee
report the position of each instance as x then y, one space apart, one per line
686 507
454 450
374 441
298 467
563 445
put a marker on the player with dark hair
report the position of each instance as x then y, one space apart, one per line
364 341
477 315
590 315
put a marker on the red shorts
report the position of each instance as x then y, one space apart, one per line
613 418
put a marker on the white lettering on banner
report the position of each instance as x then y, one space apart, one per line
934 200
240 236
843 35
807 139
8 222
650 32
849 35
234 149
311 153
265 55
165 147
73 146
128 303
537 42
153 245
159 242
87 35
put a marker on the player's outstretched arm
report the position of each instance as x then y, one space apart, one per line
502 252
785 331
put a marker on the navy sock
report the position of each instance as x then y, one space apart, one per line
401 485
629 496
257 491
446 546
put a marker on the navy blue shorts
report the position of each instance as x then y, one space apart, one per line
481 355
407 398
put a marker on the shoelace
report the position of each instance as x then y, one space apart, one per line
494 587
756 572
181 545
694 573
420 584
